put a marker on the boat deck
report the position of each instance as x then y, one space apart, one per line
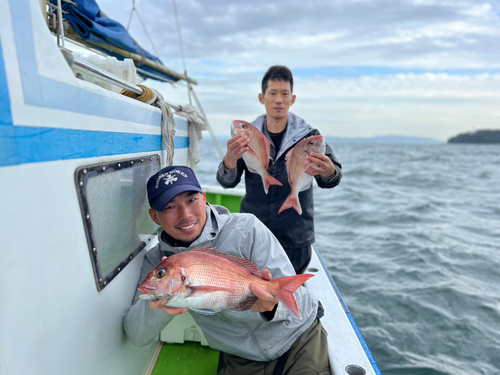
190 358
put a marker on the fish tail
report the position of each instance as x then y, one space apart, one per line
288 285
270 180
291 202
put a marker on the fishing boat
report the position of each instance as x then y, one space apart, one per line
74 158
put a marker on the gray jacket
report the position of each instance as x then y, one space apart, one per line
291 229
243 333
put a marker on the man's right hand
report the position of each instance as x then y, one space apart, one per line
160 304
236 147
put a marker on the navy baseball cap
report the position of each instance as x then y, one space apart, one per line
169 182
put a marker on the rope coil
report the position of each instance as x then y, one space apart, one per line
196 121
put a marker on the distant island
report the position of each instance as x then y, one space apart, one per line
480 136
384 139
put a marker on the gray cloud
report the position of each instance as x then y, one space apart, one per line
230 44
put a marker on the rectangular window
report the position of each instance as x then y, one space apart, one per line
115 212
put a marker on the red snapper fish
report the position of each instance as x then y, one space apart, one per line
207 281
257 157
296 167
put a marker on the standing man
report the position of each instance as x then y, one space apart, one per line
268 339
284 130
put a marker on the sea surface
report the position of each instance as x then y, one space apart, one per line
411 237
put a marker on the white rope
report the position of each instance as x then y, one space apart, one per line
196 125
167 124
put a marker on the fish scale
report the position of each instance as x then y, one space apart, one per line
209 280
257 157
296 167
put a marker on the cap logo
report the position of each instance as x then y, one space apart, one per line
170 177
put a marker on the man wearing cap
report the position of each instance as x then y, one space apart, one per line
268 339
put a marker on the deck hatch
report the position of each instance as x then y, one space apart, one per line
115 214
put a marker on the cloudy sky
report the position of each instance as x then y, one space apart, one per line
362 68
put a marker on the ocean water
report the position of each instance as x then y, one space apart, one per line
411 237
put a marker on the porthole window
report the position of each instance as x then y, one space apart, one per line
115 212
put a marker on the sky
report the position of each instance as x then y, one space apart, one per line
362 68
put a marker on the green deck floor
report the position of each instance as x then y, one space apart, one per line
190 358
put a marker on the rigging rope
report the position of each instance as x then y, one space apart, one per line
134 9
196 125
153 97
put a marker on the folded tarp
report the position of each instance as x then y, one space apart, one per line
92 26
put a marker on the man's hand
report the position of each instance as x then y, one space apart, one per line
325 167
160 304
236 147
266 301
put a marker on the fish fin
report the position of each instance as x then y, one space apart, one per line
204 312
288 162
247 304
288 285
269 180
249 266
291 202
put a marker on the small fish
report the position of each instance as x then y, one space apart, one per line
257 157
207 281
296 167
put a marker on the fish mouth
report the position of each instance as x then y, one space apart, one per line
147 289
235 128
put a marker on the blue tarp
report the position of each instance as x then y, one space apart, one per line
92 26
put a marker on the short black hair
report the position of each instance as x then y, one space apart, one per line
277 73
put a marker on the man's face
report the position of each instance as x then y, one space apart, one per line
184 216
278 98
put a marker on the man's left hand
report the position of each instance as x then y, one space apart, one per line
325 166
266 301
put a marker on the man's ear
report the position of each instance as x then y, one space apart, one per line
153 215
293 99
261 98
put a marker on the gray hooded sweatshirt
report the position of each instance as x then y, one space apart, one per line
243 333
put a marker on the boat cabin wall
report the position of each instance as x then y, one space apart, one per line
54 319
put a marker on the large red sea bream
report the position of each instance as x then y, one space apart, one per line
257 157
206 280
296 167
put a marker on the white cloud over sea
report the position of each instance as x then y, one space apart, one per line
361 67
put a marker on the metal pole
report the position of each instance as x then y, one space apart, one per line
94 71
60 28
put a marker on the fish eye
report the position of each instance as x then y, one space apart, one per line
244 126
161 272
311 143
183 278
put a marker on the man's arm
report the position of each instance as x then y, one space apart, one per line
141 322
329 172
232 166
261 247
229 178
236 147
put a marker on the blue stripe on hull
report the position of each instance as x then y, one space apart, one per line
361 340
5 114
19 144
363 344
